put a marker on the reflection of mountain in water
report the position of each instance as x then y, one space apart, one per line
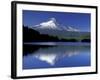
51 55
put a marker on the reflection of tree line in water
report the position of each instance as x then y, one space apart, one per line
27 49
31 49
30 35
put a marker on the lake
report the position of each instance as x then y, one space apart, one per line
56 54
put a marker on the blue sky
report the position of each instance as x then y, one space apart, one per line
79 21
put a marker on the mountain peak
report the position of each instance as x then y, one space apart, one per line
53 19
52 24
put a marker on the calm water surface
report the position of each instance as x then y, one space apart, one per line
53 55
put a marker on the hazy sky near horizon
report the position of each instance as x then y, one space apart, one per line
81 21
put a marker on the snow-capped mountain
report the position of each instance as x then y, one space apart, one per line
50 24
54 31
53 25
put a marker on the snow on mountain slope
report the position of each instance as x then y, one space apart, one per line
52 24
71 29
